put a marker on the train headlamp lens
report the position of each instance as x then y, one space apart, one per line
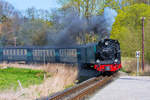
106 43
116 60
98 61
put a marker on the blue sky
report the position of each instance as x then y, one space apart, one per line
39 4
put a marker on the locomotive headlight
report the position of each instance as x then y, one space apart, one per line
106 43
98 61
116 60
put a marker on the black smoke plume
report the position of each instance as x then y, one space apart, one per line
68 25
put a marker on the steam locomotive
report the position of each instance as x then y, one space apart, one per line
108 56
105 57
102 56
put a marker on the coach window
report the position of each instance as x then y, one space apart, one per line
21 53
74 53
71 52
47 54
33 52
10 52
53 53
14 52
25 51
5 52
18 52
60 52
67 52
50 53
37 51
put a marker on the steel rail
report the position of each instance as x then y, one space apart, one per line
81 90
73 89
91 89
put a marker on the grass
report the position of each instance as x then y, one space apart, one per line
9 77
62 76
129 65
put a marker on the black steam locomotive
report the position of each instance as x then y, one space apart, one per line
103 56
108 56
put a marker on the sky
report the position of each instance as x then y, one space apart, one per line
39 4
22 5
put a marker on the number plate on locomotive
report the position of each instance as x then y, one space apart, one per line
107 68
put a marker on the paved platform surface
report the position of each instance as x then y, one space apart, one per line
125 88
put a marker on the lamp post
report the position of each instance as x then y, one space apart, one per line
143 43
137 56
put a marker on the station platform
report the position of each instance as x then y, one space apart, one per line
125 88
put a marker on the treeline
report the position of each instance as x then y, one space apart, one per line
128 29
77 22
28 28
43 27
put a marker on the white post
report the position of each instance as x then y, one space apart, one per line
137 66
137 56
44 77
20 92
20 85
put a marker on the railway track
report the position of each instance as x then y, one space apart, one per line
83 89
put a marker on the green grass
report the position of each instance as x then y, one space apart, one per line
9 77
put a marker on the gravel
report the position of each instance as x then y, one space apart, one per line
125 88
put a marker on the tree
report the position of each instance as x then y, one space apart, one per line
84 7
32 33
6 9
114 4
127 28
139 1
119 4
30 29
10 20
